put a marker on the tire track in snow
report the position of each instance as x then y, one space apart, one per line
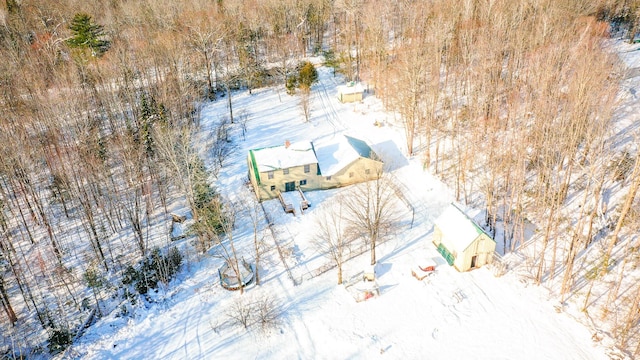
306 345
198 335
331 114
184 334
274 236
287 290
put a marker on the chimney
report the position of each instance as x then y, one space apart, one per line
287 143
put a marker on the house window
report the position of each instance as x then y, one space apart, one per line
307 168
367 171
273 188
270 174
303 182
285 171
351 174
328 178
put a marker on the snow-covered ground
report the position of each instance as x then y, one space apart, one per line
448 315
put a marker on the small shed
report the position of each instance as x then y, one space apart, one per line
350 92
461 241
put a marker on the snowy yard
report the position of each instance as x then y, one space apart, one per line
452 315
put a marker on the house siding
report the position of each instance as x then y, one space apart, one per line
280 180
262 184
482 247
350 97
358 168
362 168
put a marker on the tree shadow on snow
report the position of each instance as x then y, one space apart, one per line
385 288
404 246
383 268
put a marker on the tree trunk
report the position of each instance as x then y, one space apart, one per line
229 102
545 242
211 92
635 176
6 304
373 251
95 297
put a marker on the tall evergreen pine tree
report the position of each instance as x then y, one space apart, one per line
87 35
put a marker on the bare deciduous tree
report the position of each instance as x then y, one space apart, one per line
331 239
263 310
305 105
268 311
240 312
369 210
225 243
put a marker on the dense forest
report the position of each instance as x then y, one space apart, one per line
511 103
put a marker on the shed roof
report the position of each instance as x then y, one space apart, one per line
336 156
283 157
350 88
458 228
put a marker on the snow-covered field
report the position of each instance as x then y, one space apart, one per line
448 315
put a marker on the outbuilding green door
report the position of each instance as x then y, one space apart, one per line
290 186
446 254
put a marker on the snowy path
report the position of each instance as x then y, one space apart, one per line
327 104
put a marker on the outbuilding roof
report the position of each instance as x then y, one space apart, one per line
458 228
350 88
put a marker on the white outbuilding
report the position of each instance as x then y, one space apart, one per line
461 241
350 92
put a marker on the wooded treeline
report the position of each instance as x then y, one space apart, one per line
513 107
512 100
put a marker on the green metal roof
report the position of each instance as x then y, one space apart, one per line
255 167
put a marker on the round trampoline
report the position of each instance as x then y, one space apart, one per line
230 280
